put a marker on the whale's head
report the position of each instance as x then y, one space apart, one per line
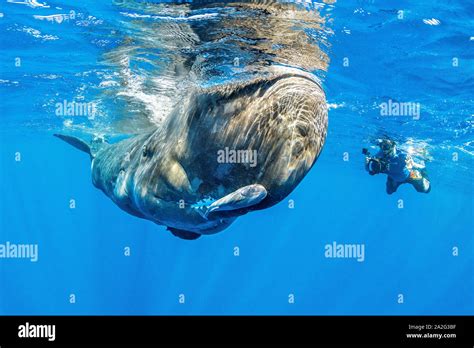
269 130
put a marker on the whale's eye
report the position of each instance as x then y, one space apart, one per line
144 151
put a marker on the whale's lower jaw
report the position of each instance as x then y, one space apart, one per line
205 227
208 230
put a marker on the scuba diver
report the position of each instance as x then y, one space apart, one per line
400 168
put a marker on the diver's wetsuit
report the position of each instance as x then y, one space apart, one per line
398 172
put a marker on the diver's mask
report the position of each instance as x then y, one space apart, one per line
387 147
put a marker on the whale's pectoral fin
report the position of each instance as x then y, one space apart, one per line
176 177
244 197
76 142
183 234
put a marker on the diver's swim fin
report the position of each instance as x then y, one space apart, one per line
183 234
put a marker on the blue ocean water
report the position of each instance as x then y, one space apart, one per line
416 245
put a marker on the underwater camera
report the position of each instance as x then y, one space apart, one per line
376 166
